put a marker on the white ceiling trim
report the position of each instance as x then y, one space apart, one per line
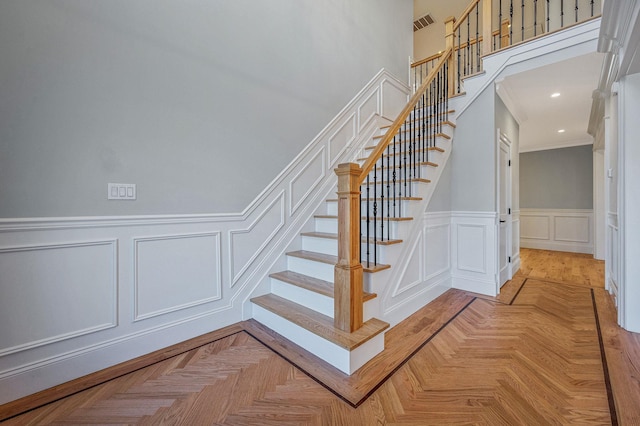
565 144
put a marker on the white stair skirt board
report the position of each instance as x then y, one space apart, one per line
342 359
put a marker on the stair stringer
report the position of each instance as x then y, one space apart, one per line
399 300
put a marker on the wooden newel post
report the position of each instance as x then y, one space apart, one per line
348 271
449 43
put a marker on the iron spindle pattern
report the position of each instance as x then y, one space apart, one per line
478 44
548 17
561 13
576 20
397 172
459 77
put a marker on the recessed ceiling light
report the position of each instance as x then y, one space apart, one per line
561 131
555 95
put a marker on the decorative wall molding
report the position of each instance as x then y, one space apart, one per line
166 277
262 229
474 252
140 321
50 311
306 180
557 229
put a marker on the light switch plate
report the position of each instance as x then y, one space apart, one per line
121 191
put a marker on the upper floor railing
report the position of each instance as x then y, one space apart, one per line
486 26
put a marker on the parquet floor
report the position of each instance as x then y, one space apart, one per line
530 357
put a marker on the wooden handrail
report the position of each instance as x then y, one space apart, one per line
425 60
393 130
465 14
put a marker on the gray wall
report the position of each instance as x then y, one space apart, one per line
473 158
557 178
200 103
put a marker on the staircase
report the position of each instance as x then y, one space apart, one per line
327 300
301 304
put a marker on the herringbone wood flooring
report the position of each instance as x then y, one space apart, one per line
533 359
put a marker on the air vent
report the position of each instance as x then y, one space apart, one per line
420 23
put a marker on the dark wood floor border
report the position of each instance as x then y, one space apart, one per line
605 367
56 393
515 296
376 386
415 351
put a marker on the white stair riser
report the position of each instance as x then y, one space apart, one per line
301 296
311 268
342 359
330 246
320 245
317 302
331 226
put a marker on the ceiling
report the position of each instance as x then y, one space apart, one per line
528 97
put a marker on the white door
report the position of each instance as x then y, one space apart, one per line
504 210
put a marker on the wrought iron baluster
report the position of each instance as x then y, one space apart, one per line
561 13
522 21
535 18
511 23
467 67
459 81
499 24
388 193
366 237
592 1
395 208
478 44
576 11
375 214
548 17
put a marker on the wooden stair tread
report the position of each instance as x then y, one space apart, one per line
422 163
392 219
332 260
444 123
431 148
364 199
316 285
332 236
442 135
319 324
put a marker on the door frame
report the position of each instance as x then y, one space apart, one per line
500 139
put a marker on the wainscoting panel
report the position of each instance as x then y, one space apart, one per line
412 274
393 99
612 266
246 244
473 252
562 230
176 272
306 180
369 108
53 292
78 295
339 141
515 242
437 249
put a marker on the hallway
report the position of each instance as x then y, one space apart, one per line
544 352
